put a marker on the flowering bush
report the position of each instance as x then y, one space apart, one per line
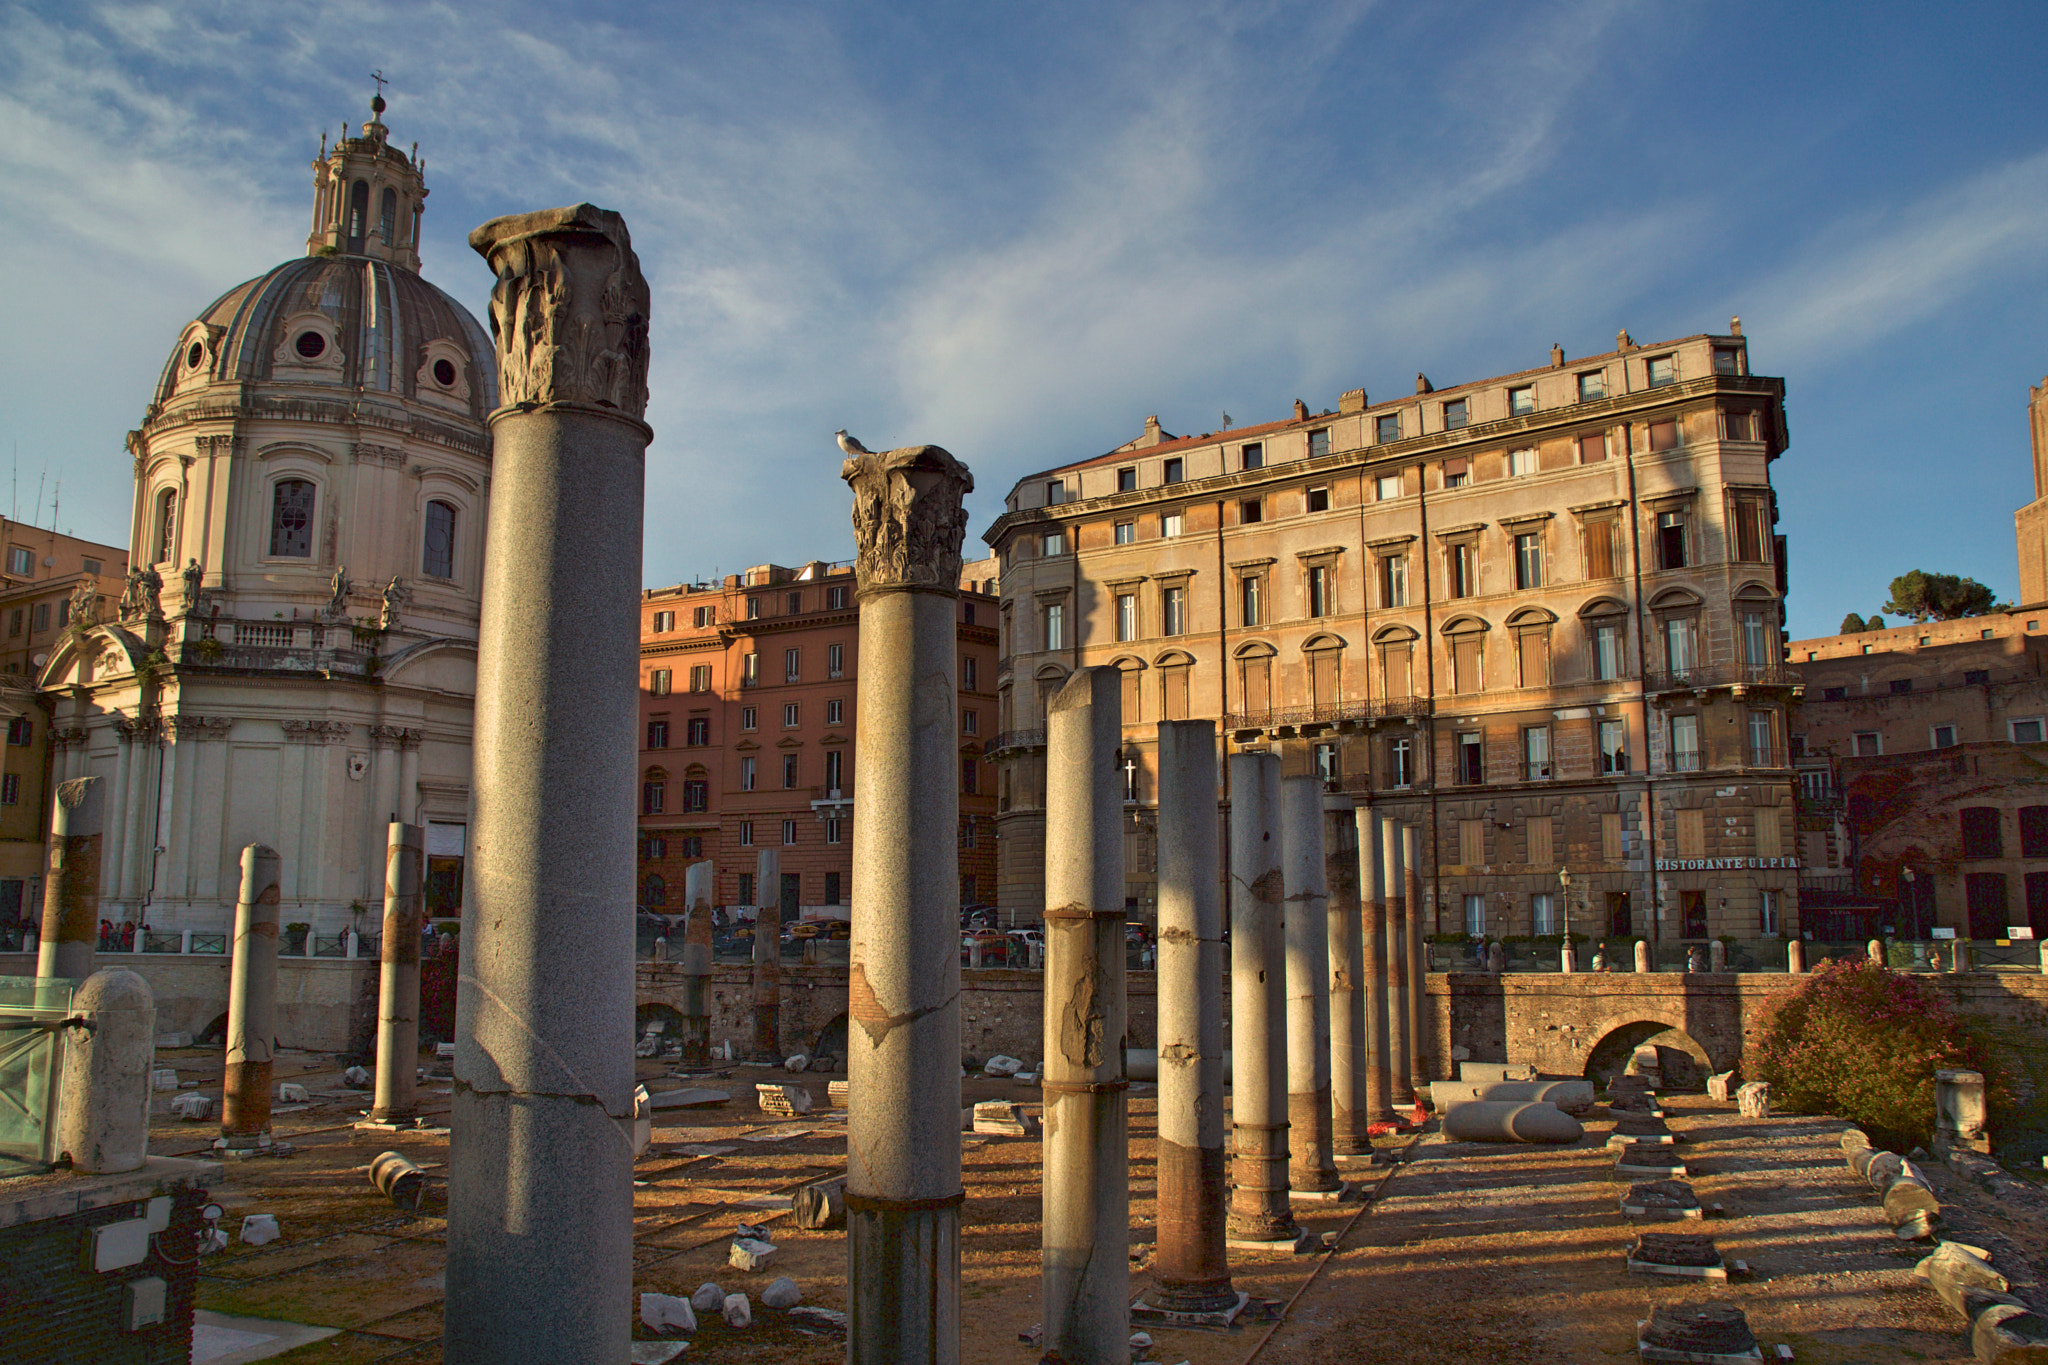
1863 1042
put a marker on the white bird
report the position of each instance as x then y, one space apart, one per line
851 446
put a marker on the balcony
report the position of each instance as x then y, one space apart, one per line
1738 676
1016 739
1338 715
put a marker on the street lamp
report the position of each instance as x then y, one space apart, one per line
1567 960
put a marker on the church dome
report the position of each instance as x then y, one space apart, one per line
355 322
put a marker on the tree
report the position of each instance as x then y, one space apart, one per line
1852 624
1938 597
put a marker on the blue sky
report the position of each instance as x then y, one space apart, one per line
1015 230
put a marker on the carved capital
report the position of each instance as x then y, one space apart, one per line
201 727
364 452
214 445
67 736
396 736
907 518
569 312
316 731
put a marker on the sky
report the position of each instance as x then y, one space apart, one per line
1015 230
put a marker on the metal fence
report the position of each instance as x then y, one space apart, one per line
32 1014
1742 955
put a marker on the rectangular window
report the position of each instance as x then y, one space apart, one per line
1756 639
1592 385
1472 843
656 849
42 619
750 669
747 717
664 621
1321 589
746 878
699 731
1318 443
1529 561
753 608
970 722
2034 831
1521 462
657 734
1052 545
1750 539
792 665
1126 616
1251 456
1469 766
1737 423
1679 641
1394 580
1466 663
1457 473
1126 532
700 677
1592 447
1170 523
1387 487
1766 900
696 794
1055 625
658 682
1763 748
651 797
1055 492
835 599
832 879
1475 915
1542 918
1663 370
1536 753
1671 540
1461 568
970 674
791 712
1521 400
747 767
832 836
1599 542
1250 510
834 763
21 732
968 772
794 604
1685 744
22 562
2027 731
1942 737
1248 591
1397 664
1401 762
1173 611
1326 762
1613 746
1867 743
1770 833
1607 651
1457 414
834 710
1317 500
1982 836
1612 843
1663 436
704 616
1387 429
1532 656
1175 470
1692 833
789 831
1127 479
14 623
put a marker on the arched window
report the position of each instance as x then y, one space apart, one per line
1255 681
657 890
437 555
166 526
1174 670
387 216
358 216
1397 663
291 518
1326 673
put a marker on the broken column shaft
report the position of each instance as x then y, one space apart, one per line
398 981
1418 959
71 889
252 1003
768 956
1398 1054
540 1185
903 1188
696 963
1310 1167
1259 1210
1379 1075
1084 1260
1192 1268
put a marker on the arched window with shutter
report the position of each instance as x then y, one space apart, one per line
291 518
166 546
437 553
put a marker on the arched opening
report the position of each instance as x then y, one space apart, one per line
1681 1063
166 547
358 217
291 519
437 554
387 216
828 1049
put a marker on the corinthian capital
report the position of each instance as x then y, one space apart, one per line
907 517
569 312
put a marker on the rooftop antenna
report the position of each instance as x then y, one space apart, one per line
36 520
56 492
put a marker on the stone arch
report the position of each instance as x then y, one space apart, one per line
831 1042
1686 1063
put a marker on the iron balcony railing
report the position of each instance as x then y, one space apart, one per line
1721 675
1327 713
1017 739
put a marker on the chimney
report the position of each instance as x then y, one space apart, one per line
1556 356
1422 384
1353 401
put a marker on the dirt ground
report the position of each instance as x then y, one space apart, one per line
1462 1252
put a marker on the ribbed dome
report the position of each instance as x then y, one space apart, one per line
381 323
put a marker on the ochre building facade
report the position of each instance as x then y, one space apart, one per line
1538 615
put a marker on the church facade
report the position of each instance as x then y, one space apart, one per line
292 661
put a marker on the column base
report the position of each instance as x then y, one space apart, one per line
1166 1309
903 1280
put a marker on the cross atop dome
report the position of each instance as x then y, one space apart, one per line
368 195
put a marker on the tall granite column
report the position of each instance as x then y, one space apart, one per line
252 1003
1398 1053
1191 1269
1350 1117
696 963
540 1185
1084 1260
398 978
768 955
1379 1074
903 1189
1310 1168
1419 1017
71 887
1259 1210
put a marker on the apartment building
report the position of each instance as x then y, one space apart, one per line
1539 615
748 689
42 572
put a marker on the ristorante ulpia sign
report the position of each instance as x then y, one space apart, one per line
1724 864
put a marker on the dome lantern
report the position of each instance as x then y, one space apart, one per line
367 197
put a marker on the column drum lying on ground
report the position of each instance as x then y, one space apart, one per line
1085 1255
540 1183
1191 1270
1259 1210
